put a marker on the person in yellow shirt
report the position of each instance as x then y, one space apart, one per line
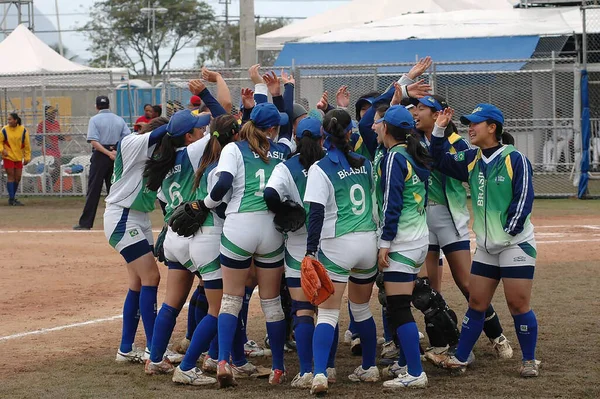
16 152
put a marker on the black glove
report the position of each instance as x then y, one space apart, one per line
188 218
290 216
159 249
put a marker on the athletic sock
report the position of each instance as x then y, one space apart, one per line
402 356
163 328
148 311
387 334
10 187
367 331
334 346
238 356
304 328
131 318
408 334
191 320
471 330
205 331
352 325
213 350
527 331
226 331
244 312
201 305
491 326
276 331
322 345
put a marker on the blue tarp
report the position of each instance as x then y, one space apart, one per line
585 135
472 49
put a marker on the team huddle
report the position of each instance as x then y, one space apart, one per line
304 204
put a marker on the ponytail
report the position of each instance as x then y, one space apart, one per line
223 129
257 140
16 117
413 145
162 161
310 150
501 135
336 124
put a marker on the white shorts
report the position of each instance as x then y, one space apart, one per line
442 233
407 257
124 227
352 255
177 249
516 261
295 249
251 235
204 252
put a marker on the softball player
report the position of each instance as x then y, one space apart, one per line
404 237
500 178
288 181
338 190
245 167
15 150
128 230
448 221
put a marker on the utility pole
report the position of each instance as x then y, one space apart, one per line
247 34
60 43
227 44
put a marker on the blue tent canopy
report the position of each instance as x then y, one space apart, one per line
398 51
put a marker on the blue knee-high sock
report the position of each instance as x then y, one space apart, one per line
131 318
471 330
387 334
148 311
244 312
402 356
201 305
213 350
238 356
408 334
226 331
322 341
277 336
163 328
367 331
205 331
10 187
527 331
191 320
491 326
334 346
304 328
352 325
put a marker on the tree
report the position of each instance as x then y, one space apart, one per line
67 53
215 48
121 35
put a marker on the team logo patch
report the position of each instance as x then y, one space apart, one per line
465 320
460 156
519 259
133 233
499 179
523 328
476 110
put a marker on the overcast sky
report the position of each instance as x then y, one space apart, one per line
74 13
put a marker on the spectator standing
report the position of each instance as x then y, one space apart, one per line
16 152
148 115
49 137
105 130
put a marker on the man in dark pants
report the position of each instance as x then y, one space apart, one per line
105 130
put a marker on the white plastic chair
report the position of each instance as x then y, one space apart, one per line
44 175
83 160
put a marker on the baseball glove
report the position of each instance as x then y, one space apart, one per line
315 282
159 250
188 218
291 217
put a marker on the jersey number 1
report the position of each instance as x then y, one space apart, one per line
260 174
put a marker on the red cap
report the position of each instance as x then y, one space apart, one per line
195 101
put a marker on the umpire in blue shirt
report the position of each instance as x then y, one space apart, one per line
105 130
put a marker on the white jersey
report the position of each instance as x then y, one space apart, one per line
128 188
207 183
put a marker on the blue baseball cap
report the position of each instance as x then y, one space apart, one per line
184 121
482 113
430 101
309 126
398 116
266 115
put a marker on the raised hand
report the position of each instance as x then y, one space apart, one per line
323 103
248 98
420 67
255 74
418 89
273 84
444 117
342 97
397 99
210 76
196 86
285 78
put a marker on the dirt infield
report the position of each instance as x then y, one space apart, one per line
54 280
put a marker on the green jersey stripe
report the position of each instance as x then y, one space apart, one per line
214 265
330 266
291 262
528 249
232 247
398 257
365 271
273 254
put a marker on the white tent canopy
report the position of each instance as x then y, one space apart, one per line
360 12
27 56
462 24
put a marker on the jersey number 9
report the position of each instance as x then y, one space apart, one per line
357 197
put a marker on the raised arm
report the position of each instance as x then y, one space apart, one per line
223 92
198 88
453 165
